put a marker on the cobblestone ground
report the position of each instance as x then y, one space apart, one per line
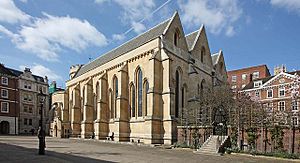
24 149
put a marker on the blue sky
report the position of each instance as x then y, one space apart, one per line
51 35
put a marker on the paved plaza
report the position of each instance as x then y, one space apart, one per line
24 149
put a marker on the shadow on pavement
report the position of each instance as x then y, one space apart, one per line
12 153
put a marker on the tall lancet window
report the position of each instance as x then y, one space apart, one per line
177 87
145 92
132 100
116 91
202 54
140 92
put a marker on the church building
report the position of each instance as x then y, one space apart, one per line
137 91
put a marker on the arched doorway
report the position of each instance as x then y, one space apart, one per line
4 127
219 122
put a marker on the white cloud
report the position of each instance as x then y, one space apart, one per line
10 13
138 27
24 1
218 16
290 5
40 70
101 1
118 37
46 37
134 11
230 31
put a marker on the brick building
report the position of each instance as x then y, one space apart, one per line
9 104
29 86
241 77
279 96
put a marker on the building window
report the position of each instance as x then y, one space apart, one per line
294 105
257 84
281 92
140 92
255 75
4 93
132 89
114 97
4 107
233 78
25 85
269 107
177 93
257 94
25 121
30 122
145 92
244 76
29 86
202 54
176 37
25 108
281 106
4 80
295 121
270 93
30 109
233 87
29 98
25 97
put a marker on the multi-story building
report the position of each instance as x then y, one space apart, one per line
137 91
279 96
29 88
239 78
9 101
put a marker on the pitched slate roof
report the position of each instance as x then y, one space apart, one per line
6 71
132 44
214 58
266 79
251 84
190 39
18 73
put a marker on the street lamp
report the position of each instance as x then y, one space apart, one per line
41 132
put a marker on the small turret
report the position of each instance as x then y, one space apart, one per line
279 69
74 69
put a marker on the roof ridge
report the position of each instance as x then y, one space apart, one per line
191 33
127 41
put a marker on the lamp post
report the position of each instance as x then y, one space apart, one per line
41 132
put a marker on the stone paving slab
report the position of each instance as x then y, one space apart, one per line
24 149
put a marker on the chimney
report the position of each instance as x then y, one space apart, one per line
27 69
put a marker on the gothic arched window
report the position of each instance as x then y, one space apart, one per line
146 89
96 99
176 37
140 92
177 93
202 54
132 100
116 91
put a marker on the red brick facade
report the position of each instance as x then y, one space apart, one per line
9 102
241 77
282 106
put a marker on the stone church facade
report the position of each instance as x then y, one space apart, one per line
137 91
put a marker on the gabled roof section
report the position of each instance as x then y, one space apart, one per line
19 73
251 84
269 79
216 57
130 45
190 39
